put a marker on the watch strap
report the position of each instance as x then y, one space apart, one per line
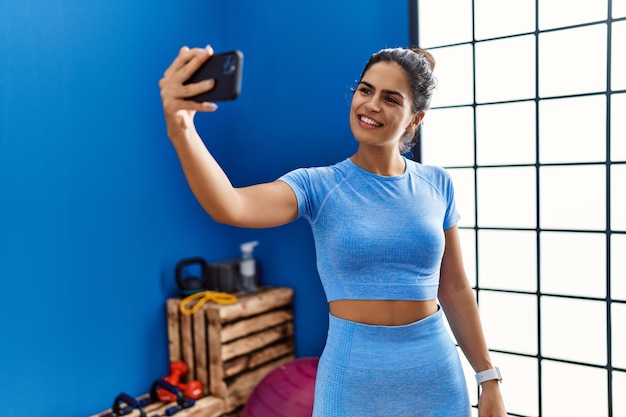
488 375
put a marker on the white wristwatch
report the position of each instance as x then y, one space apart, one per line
488 375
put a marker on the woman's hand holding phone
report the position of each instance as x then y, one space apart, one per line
195 80
178 110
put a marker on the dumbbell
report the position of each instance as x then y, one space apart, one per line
191 389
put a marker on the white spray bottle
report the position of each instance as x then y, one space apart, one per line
248 267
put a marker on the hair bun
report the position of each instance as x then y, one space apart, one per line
426 55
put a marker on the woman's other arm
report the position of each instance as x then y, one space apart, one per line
458 302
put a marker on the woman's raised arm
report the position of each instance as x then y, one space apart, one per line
261 205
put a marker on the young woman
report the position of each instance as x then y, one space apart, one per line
387 246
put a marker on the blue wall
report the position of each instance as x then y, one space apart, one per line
95 211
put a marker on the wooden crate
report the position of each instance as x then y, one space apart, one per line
229 348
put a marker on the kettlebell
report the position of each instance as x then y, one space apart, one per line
190 284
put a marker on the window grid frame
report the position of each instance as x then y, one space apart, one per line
607 163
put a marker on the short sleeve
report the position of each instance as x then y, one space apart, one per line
299 181
452 215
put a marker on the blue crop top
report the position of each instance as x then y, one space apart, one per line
376 237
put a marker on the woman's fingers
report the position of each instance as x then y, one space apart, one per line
178 62
187 62
173 88
174 96
174 92
190 90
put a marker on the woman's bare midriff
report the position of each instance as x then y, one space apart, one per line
383 312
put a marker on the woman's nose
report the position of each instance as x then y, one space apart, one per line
372 104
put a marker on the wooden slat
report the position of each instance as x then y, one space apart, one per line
217 386
256 341
245 327
240 388
257 358
255 303
186 334
200 351
173 329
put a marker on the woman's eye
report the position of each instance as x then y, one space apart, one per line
365 90
391 100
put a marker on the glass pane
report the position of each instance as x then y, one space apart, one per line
509 321
618 326
520 387
563 140
618 127
618 267
505 69
618 197
506 197
558 13
494 18
468 246
573 197
508 260
573 390
619 388
567 68
619 10
618 56
454 72
573 330
573 264
448 137
501 138
464 194
454 15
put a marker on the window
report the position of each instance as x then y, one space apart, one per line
536 90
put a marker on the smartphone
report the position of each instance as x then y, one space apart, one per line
226 69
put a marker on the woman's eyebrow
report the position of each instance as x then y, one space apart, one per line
393 92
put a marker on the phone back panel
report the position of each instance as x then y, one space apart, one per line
226 69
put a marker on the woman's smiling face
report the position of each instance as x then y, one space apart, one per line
381 110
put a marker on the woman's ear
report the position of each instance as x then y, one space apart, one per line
415 122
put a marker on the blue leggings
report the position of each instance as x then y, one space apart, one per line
402 371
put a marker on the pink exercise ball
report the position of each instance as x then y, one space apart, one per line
287 391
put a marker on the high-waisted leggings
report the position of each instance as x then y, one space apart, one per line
412 370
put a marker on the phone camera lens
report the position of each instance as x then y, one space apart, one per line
228 65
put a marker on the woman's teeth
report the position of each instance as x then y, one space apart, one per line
369 121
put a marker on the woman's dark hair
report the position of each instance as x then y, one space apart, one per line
418 65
